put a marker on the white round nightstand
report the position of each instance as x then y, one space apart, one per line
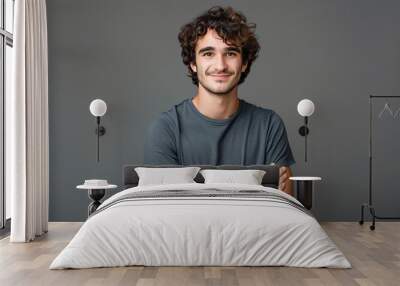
305 189
96 192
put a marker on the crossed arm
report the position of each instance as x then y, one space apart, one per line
285 184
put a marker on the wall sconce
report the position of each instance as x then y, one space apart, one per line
98 108
305 108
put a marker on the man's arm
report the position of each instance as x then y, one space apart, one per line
279 152
285 184
160 147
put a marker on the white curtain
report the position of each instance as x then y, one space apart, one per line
27 147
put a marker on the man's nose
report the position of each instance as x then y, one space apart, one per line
220 63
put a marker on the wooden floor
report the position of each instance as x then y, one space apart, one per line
375 256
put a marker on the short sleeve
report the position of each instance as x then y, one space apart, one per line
160 147
278 149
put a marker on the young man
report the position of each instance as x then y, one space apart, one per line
215 127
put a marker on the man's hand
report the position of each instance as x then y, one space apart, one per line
285 184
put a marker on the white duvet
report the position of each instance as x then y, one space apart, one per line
200 231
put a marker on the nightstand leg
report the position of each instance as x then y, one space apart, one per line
304 193
95 195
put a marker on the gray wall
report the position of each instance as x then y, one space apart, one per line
126 52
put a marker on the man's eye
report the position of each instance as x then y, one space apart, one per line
231 54
207 54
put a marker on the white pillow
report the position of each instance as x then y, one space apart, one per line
162 176
248 177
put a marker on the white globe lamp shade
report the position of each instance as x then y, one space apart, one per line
98 107
305 107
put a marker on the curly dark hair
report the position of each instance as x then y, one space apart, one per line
230 25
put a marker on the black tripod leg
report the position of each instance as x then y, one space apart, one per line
362 215
372 210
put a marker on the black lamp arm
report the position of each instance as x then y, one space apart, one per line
303 131
100 131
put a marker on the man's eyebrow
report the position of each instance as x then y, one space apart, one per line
235 49
206 49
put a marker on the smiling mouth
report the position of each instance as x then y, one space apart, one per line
220 76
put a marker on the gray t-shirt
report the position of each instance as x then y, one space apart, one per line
184 136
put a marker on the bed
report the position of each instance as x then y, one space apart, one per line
198 224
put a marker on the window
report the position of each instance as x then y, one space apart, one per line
6 60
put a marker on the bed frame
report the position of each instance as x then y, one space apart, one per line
271 178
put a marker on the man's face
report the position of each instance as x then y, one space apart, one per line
218 65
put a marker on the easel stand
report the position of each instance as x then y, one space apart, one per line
369 205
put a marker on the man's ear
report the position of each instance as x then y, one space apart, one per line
193 67
244 67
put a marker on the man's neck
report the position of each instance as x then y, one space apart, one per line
216 106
